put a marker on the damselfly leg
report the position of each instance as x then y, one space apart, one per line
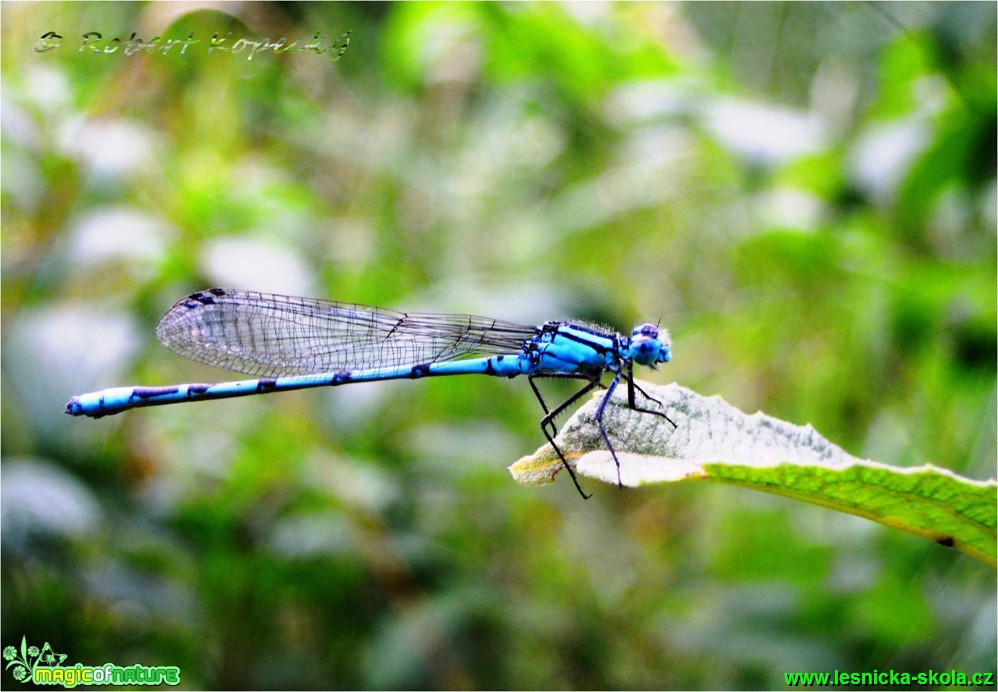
631 399
548 421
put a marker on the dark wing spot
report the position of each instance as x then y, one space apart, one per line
199 297
946 541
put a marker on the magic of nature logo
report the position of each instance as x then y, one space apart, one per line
43 666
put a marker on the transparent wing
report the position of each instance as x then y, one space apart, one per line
269 335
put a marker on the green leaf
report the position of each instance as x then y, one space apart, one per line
715 441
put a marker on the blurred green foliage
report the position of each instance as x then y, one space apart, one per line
804 193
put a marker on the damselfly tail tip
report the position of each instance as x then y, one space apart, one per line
74 407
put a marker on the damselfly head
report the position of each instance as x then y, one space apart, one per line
649 345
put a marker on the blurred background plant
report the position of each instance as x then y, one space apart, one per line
804 193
